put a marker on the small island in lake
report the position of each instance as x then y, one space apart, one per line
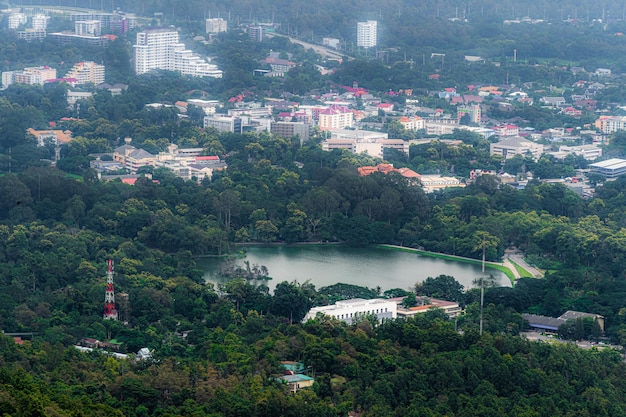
231 269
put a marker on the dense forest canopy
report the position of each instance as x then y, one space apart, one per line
217 350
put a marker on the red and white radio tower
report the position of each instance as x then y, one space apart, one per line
110 312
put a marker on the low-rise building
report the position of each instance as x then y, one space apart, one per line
50 136
451 308
432 183
517 145
31 76
223 123
351 310
611 168
290 129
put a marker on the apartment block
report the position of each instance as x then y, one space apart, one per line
216 25
161 49
32 76
366 34
87 73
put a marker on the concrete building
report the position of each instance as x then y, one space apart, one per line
589 152
216 25
611 168
30 35
16 20
161 49
87 72
255 33
331 42
366 33
55 136
32 76
40 22
412 123
116 22
224 123
512 146
610 124
88 27
335 117
432 183
451 308
290 129
473 111
350 310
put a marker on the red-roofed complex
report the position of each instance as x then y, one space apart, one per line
387 168
336 117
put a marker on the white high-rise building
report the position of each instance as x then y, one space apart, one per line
160 49
87 73
17 19
40 22
366 34
216 25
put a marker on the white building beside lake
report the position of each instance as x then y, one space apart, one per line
350 310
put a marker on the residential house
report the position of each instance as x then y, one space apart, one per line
553 101
602 72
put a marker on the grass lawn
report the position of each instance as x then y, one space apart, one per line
506 271
521 271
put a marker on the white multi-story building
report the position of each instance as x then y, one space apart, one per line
350 310
366 33
88 27
40 22
87 73
216 25
32 76
611 124
336 117
16 20
160 49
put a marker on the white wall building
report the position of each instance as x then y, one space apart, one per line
512 146
40 22
216 25
88 27
350 310
32 76
16 20
366 33
160 49
87 72
336 117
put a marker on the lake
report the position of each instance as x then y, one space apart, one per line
368 267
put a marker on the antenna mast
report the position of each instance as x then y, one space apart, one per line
110 312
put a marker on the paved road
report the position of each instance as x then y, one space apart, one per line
518 258
322 50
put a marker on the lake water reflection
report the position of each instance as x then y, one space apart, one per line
369 267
